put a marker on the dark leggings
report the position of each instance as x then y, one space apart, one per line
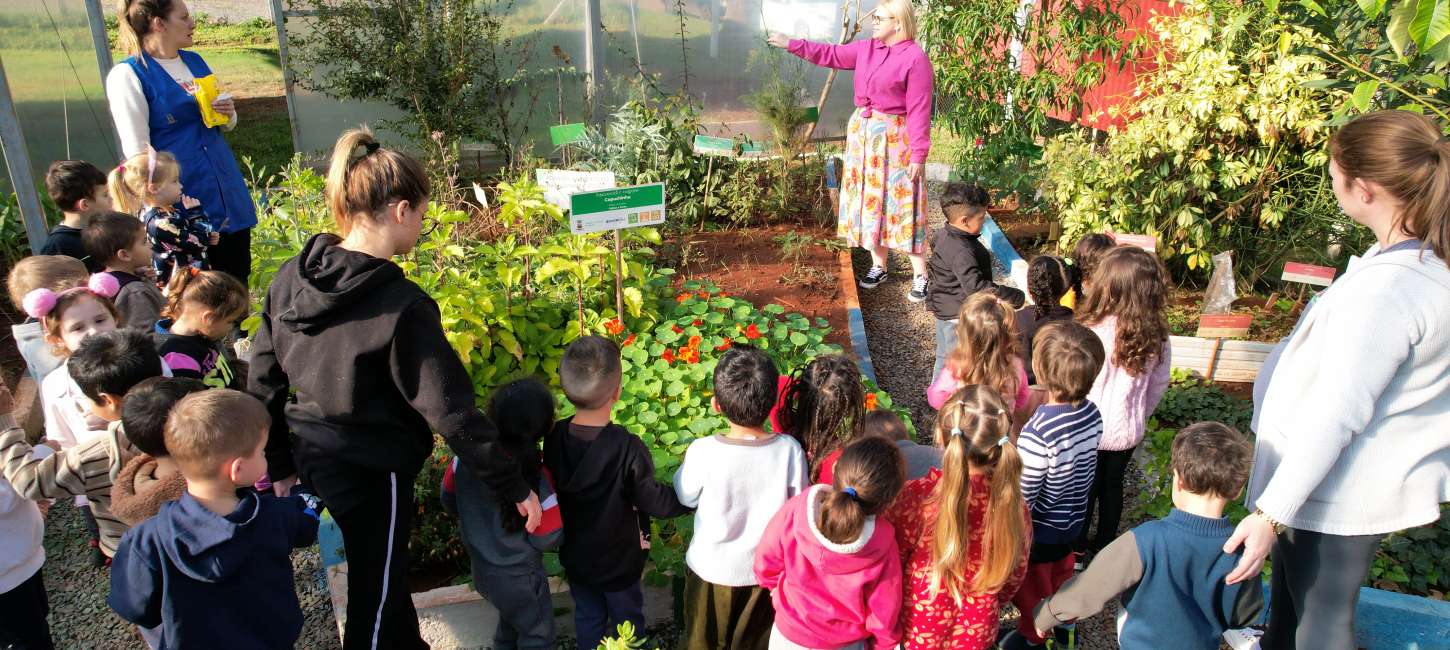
1315 588
1107 498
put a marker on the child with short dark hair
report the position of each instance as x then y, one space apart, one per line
1059 447
607 492
508 561
78 189
211 565
830 558
736 480
920 459
1174 568
202 308
117 241
1048 281
152 478
56 274
105 367
960 265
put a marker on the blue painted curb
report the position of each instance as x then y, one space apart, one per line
329 541
1386 620
854 321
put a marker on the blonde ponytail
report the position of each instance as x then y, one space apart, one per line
1407 154
972 429
133 21
363 177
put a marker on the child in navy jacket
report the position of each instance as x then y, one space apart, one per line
214 568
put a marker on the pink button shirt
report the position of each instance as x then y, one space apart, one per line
892 79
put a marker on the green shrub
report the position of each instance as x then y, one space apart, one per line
1191 399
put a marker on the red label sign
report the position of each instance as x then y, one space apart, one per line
1224 326
1146 242
1308 274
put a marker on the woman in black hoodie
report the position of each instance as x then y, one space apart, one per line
362 348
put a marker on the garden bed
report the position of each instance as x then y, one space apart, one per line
793 266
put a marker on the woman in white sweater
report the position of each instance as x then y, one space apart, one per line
1350 413
152 98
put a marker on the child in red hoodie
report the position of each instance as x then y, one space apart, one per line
830 563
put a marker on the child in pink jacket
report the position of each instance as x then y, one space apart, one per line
831 564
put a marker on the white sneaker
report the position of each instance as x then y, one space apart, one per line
918 289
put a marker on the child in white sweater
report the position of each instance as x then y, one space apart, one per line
736 481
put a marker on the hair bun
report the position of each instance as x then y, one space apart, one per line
38 303
103 284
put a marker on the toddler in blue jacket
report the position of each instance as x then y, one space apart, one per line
212 565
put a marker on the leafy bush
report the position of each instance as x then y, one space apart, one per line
1417 560
1191 399
1226 150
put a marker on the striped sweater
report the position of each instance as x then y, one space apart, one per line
87 469
1059 449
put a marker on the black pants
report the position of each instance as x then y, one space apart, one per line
22 616
374 510
1107 498
233 254
1315 589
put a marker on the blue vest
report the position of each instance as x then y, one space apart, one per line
209 171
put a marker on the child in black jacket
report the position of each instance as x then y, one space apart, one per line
374 377
607 492
960 265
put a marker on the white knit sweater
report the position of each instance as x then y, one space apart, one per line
736 487
1354 423
21 529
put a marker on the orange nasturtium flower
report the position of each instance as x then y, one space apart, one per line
870 401
613 326
668 355
753 332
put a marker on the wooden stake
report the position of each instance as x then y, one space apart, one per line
1213 359
618 276
709 172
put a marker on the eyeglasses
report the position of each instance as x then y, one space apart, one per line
878 18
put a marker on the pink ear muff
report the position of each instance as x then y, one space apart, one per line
103 284
39 302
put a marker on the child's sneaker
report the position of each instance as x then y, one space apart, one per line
873 277
918 289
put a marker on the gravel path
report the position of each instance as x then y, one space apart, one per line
901 336
80 618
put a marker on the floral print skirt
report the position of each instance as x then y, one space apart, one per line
879 201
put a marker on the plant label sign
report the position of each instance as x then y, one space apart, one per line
706 145
1224 326
1308 274
755 149
624 207
566 133
1146 242
558 184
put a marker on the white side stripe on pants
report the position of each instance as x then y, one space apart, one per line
388 563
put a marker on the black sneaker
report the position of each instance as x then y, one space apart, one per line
873 278
918 289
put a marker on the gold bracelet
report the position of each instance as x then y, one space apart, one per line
1278 527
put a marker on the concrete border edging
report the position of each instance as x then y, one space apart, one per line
854 321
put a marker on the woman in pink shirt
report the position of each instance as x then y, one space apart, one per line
883 194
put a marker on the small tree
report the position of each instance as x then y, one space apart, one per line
977 48
445 63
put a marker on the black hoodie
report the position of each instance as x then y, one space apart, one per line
606 485
363 348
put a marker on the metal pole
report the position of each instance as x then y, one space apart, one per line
102 45
279 18
17 161
592 40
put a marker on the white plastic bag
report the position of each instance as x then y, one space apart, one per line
1221 290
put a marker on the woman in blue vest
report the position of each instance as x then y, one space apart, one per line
152 103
